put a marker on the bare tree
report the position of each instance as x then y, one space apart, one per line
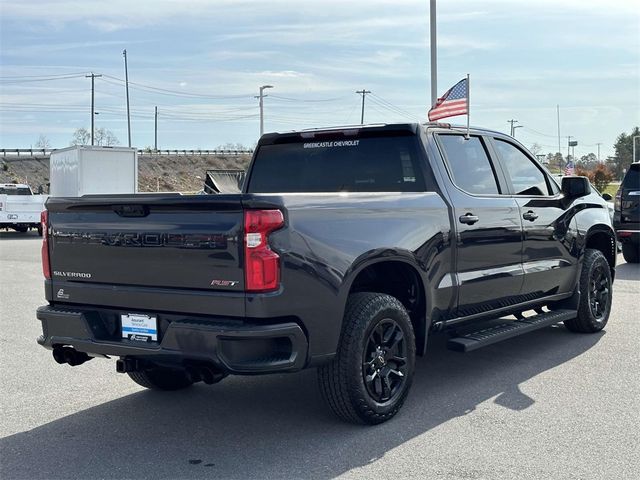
102 136
535 148
81 136
105 138
43 142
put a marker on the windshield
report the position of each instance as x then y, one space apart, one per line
371 164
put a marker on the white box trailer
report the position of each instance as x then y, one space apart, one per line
84 170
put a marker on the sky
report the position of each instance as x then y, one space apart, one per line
201 63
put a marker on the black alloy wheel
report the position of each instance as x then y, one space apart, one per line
385 361
599 286
596 294
369 378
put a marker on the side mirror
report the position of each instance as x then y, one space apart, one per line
607 197
575 187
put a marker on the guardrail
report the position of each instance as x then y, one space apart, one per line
45 152
195 152
30 152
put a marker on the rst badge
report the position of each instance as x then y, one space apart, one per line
224 283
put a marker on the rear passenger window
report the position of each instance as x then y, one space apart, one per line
469 164
526 177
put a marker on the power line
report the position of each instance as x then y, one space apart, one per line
166 91
319 100
10 81
390 106
540 133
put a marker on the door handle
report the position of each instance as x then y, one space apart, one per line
468 218
530 215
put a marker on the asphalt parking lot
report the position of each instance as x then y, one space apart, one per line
550 404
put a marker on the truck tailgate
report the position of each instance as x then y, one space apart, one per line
155 246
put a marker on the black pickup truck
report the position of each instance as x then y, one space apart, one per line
345 250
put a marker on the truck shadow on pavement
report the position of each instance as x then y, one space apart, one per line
627 271
277 426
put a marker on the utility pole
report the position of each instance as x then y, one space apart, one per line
93 77
633 140
261 97
598 144
126 80
513 130
155 130
434 52
558 112
362 92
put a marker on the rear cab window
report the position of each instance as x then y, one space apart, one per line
6 190
336 162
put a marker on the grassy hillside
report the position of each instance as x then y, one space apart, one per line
166 173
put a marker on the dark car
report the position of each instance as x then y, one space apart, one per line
626 218
345 250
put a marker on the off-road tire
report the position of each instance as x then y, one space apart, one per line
594 263
631 252
342 381
159 378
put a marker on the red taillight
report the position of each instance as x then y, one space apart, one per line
262 265
46 267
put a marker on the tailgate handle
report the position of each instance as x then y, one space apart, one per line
131 210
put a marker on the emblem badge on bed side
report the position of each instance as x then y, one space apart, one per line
224 283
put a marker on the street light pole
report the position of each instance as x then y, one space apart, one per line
155 130
261 97
434 52
633 160
514 130
126 80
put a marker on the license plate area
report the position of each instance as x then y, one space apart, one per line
139 327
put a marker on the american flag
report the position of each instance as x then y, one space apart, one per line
569 169
454 102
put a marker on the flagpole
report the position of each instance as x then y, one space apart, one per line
468 104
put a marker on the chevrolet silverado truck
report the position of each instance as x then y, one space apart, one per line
20 209
346 249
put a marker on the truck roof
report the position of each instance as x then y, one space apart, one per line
409 126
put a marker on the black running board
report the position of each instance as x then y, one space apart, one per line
506 329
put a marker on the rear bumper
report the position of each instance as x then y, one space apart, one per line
232 346
627 232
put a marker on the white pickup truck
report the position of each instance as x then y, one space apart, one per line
20 209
